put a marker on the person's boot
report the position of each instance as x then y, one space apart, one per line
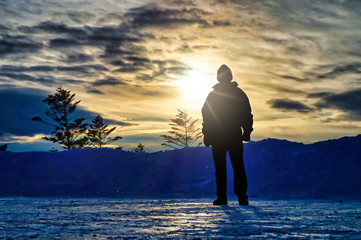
220 201
243 201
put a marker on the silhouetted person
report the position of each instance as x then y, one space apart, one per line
227 122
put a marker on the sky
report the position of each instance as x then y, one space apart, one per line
137 62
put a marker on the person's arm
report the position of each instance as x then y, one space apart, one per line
207 119
247 119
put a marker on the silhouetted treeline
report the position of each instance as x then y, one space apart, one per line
72 132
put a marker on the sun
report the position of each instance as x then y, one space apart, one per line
195 86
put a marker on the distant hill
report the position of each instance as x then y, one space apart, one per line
275 168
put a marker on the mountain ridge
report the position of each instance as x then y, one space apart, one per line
275 168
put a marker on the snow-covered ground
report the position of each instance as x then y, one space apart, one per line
106 218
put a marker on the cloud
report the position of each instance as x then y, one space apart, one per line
133 64
63 42
17 68
16 71
222 23
111 38
18 44
155 16
289 105
82 68
293 78
8 138
320 95
78 16
110 81
119 123
79 57
93 90
54 27
19 105
349 102
342 70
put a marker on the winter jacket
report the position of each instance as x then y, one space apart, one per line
227 115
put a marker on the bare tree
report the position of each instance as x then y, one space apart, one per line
184 132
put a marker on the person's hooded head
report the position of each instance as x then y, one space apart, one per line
224 74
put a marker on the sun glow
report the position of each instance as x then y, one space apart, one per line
196 86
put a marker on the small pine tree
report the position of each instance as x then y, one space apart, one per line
68 132
184 132
140 148
4 146
98 133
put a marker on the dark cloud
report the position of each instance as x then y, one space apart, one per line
19 76
293 78
62 42
18 44
165 17
320 95
114 50
54 27
288 90
109 17
152 91
17 68
222 23
68 36
46 68
94 90
19 105
82 68
79 57
162 70
314 75
43 80
110 81
119 123
186 3
289 105
79 16
155 93
18 72
185 48
72 81
4 29
138 59
341 70
348 102
133 64
117 63
129 68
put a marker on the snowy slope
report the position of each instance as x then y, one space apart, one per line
275 168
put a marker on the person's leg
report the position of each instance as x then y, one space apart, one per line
239 172
219 157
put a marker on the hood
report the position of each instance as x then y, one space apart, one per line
225 86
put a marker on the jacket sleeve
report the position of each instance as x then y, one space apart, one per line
247 117
207 118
